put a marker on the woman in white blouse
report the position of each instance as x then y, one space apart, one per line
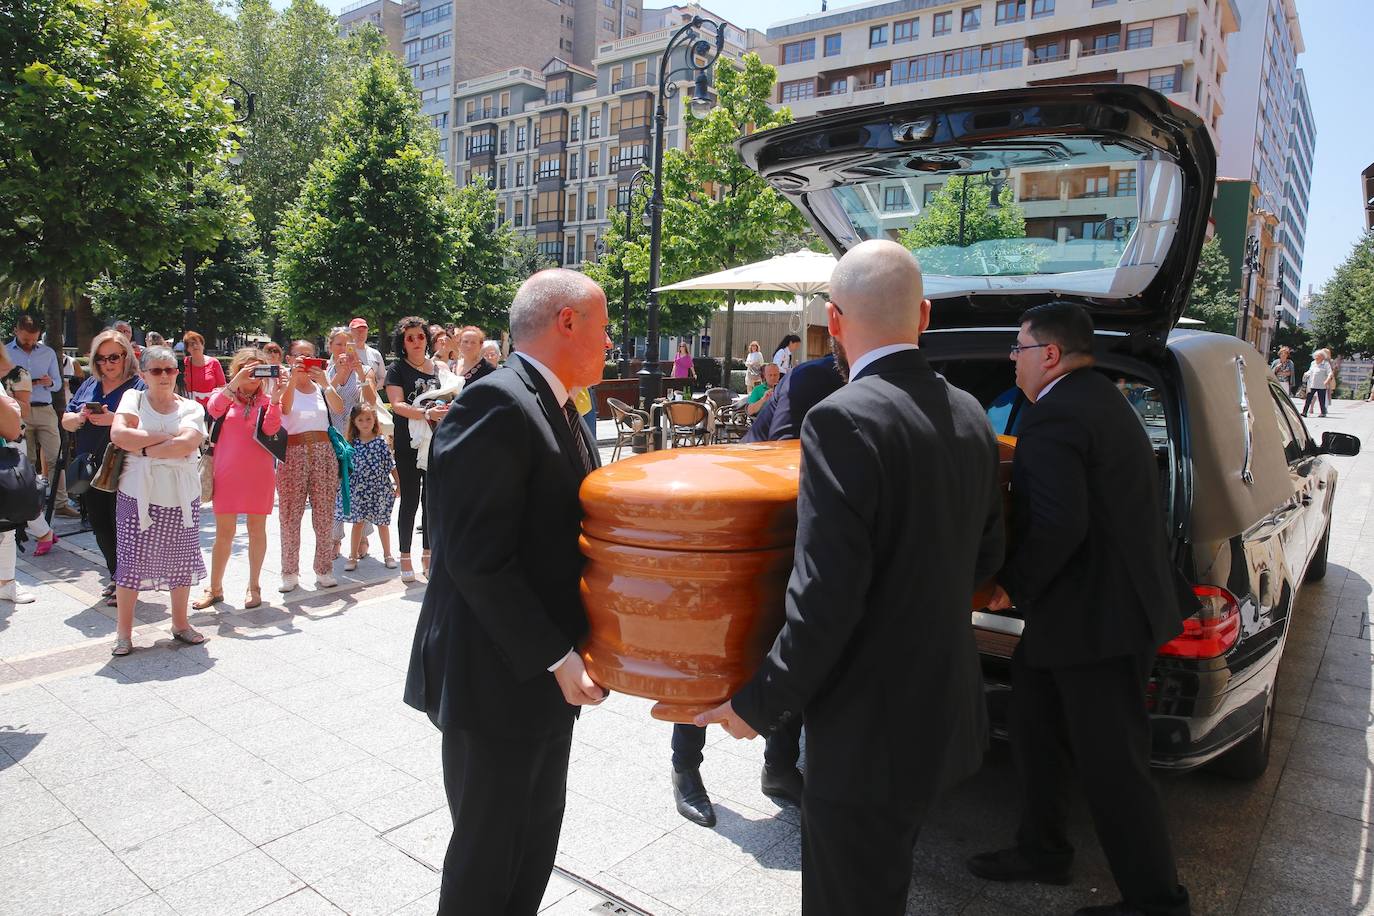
157 509
753 366
310 472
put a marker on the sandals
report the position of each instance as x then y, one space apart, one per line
191 636
351 564
252 598
112 600
122 647
209 599
407 572
108 590
424 561
389 562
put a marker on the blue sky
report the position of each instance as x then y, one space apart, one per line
1336 34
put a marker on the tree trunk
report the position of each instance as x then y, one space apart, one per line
54 319
729 343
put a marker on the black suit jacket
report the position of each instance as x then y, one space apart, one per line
503 602
800 390
1089 567
898 518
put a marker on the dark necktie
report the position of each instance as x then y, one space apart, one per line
579 435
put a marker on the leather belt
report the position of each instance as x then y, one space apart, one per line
314 435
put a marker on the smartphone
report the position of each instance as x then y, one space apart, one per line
311 362
95 407
266 372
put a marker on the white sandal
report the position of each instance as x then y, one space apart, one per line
351 565
389 562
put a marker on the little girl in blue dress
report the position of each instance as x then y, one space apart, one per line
374 484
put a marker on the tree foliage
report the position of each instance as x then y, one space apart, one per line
104 107
961 214
1213 300
376 230
230 278
487 278
1343 312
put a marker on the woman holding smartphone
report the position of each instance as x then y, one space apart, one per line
90 414
311 471
245 472
410 375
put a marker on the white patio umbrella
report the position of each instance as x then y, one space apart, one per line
802 273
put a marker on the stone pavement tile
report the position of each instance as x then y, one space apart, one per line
1343 836
235 887
130 805
387 812
782 862
982 906
134 716
166 737
674 871
378 885
245 715
734 778
359 782
220 774
314 756
304 902
204 692
387 732
92 693
636 896
427 905
422 759
1264 897
1325 795
627 787
156 667
273 733
748 893
1338 753
931 895
180 853
59 760
425 838
64 872
321 849
741 833
599 837
557 888
266 816
1339 704
29 809
151 905
1315 871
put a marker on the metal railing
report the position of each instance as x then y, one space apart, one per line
633 81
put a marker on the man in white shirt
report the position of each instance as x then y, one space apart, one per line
369 355
46 373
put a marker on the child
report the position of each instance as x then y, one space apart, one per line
374 484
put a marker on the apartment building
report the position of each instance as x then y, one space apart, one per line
678 15
561 143
384 15
1297 187
1367 195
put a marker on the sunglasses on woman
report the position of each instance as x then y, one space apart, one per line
110 358
161 370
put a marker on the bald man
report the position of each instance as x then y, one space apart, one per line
898 518
493 662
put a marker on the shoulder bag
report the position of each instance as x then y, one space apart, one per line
106 480
207 461
22 492
274 443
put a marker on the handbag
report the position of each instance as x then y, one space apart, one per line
106 480
82 471
274 443
22 492
207 462
344 452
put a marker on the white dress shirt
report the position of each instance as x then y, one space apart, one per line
876 354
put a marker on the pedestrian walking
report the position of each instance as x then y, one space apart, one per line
877 609
157 509
682 363
1283 369
411 374
19 388
42 434
494 663
310 473
89 417
201 375
373 485
753 366
1317 380
245 473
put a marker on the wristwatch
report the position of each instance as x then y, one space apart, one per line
144 451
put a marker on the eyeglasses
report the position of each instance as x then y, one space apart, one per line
110 358
161 370
1017 348
837 306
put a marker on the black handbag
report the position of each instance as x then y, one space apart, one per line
274 443
82 471
22 492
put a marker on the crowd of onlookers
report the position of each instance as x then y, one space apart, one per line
157 434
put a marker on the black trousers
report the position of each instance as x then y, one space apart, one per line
412 481
506 796
1095 716
780 751
100 513
856 859
1320 395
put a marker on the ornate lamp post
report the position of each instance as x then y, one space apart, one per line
701 56
243 113
626 341
1251 263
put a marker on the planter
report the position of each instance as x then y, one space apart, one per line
622 389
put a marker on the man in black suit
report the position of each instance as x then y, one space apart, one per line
898 517
780 418
1090 572
493 663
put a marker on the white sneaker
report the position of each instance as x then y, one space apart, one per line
325 581
288 584
10 592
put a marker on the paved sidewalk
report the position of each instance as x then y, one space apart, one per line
275 770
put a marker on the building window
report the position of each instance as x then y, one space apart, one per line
480 144
1095 186
832 45
1046 52
591 206
519 174
906 30
942 24
877 36
1103 44
1097 3
1140 38
895 199
504 144
551 167
1164 82
575 129
1125 183
1197 91
928 193
838 86
572 165
1010 11
971 19
439 121
1042 8
501 178
799 51
1002 55
420 46
593 163
631 12
594 125
607 25
520 137
798 90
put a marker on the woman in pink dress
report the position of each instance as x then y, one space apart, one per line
245 472
682 363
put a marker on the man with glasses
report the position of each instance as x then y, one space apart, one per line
45 371
1089 571
898 516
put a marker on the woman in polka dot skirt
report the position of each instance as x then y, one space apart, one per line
157 509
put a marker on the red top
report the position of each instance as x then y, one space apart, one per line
202 381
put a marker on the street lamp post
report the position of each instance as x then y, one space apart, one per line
701 55
626 341
1251 264
243 114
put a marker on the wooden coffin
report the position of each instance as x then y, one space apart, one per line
688 555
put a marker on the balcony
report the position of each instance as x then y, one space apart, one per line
487 114
558 95
633 81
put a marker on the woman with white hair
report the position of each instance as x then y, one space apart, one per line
157 509
1318 379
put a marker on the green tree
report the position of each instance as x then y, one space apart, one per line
1329 324
1349 294
1213 300
375 230
960 214
487 280
230 277
103 109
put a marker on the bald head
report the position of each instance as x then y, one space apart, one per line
878 287
543 296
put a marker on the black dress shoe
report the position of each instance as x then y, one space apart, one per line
782 784
689 792
1012 865
1110 909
